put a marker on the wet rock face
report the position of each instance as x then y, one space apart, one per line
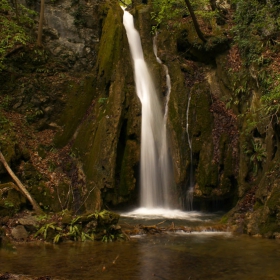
104 124
81 86
72 31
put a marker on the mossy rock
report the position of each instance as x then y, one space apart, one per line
193 48
207 171
45 197
273 202
11 200
106 218
110 44
9 145
224 219
176 123
79 99
270 227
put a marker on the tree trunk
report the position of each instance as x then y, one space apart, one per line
22 188
40 28
195 23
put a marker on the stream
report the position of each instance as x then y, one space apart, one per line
196 255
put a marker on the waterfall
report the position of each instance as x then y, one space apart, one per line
168 80
164 158
189 197
155 171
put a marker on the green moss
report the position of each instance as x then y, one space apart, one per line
110 44
269 227
201 119
79 98
177 109
224 219
257 205
92 167
207 171
11 201
45 197
273 203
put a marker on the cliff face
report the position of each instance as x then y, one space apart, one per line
222 91
107 137
75 98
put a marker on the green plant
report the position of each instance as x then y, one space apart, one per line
108 237
271 98
164 10
6 102
8 204
78 15
82 235
73 153
57 238
14 28
102 100
34 115
75 231
41 218
85 236
126 2
256 24
257 154
3 119
44 230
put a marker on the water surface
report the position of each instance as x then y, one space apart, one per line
179 256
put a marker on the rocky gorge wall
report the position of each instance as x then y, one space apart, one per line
78 92
234 144
79 106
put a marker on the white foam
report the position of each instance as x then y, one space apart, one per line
156 213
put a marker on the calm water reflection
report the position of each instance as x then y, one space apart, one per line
168 256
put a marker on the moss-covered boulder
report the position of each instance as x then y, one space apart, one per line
97 120
11 200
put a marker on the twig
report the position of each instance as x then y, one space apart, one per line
161 223
128 237
114 261
85 199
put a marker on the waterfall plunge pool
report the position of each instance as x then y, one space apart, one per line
178 256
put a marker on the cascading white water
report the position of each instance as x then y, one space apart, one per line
155 172
189 197
168 80
164 158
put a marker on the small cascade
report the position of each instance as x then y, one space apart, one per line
168 80
164 157
155 171
189 197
